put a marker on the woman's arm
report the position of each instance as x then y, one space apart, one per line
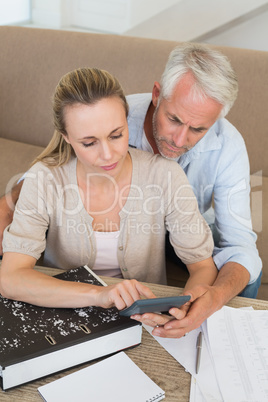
19 281
201 273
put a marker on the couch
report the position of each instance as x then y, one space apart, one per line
33 60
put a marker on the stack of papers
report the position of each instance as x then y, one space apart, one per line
234 356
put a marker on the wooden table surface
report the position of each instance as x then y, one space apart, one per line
161 367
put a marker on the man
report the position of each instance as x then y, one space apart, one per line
183 119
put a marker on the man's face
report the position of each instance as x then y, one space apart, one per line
181 121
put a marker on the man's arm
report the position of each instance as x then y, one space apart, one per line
7 206
236 240
231 280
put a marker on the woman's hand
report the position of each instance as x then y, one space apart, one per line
122 295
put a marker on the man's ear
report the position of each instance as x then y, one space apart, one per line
156 93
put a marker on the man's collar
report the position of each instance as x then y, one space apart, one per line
210 142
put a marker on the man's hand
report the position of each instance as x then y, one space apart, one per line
7 206
203 303
205 300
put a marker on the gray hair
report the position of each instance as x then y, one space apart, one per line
212 71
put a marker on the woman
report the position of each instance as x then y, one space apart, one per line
89 199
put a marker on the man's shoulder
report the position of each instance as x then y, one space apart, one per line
228 135
137 98
138 106
138 102
225 129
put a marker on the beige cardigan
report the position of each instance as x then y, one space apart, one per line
50 217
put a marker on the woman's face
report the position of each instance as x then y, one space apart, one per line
98 135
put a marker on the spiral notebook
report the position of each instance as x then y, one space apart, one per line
115 378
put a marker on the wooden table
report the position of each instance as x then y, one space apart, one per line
162 368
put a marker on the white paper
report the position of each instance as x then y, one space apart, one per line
205 385
195 392
116 378
182 349
206 378
239 344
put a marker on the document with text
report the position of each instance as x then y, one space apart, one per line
234 357
238 340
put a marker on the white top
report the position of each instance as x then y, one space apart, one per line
106 262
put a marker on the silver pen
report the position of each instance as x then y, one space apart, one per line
198 350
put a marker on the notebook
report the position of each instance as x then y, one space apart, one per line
115 378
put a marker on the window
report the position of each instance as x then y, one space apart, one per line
14 11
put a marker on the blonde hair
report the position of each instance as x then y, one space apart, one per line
84 86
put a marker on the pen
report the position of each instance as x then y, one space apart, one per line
198 351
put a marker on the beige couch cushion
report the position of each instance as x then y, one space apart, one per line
15 159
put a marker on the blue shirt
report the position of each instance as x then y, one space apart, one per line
217 168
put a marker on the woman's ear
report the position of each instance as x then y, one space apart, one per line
65 137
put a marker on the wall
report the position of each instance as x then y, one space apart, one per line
238 23
13 11
249 34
